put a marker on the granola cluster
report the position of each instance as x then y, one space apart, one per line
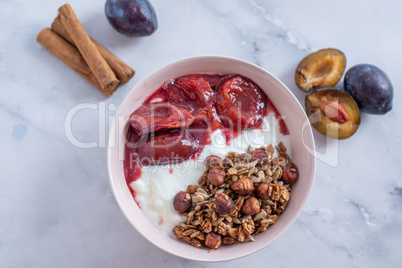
238 203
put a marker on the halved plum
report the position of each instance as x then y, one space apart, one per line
153 117
333 113
167 148
240 103
320 69
191 92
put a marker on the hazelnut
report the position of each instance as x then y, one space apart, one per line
216 177
262 191
251 206
223 204
290 173
213 240
182 202
213 161
260 155
243 186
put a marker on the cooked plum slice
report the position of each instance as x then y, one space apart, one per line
320 69
167 148
153 117
206 121
370 87
191 92
240 103
333 113
209 116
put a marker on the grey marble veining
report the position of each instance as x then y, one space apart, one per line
56 206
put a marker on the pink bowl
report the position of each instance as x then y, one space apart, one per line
302 143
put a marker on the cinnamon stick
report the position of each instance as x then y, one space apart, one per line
99 67
69 55
123 72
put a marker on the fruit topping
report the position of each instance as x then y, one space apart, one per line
240 103
191 92
290 173
206 121
166 148
333 113
370 87
182 202
320 69
209 116
159 116
133 18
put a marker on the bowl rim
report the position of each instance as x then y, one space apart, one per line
112 135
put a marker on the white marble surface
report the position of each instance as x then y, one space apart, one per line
56 206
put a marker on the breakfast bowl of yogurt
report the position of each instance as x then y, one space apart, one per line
211 158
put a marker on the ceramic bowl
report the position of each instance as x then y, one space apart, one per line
302 143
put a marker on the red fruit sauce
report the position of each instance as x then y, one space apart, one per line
196 105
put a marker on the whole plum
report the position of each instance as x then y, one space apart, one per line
133 18
370 87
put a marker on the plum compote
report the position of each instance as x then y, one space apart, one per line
175 123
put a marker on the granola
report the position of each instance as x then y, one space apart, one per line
235 213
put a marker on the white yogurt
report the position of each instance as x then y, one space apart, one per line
158 185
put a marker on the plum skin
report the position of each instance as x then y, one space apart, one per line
133 18
370 87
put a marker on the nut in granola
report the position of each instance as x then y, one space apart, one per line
213 161
213 240
222 215
290 173
261 156
182 202
243 186
223 204
251 206
262 191
216 177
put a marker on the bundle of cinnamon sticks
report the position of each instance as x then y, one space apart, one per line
68 41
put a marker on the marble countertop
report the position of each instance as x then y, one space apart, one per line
56 205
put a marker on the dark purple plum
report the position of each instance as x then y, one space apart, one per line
133 18
370 87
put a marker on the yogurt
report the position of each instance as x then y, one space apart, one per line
157 186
